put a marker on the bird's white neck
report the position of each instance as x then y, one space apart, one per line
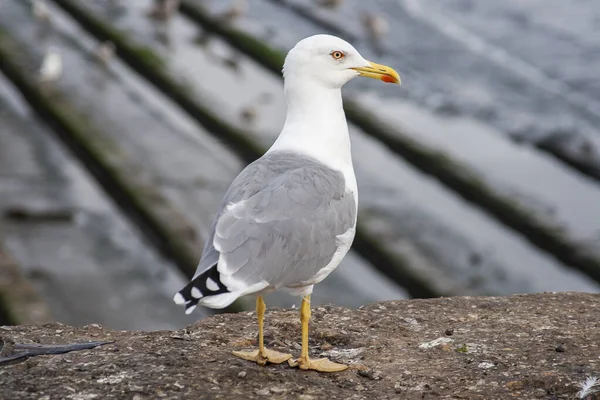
316 125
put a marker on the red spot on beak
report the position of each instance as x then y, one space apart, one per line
388 79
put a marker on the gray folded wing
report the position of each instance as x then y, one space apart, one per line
279 221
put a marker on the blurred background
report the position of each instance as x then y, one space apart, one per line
122 123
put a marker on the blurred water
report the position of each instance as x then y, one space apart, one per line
92 267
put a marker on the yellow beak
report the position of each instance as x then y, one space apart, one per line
381 72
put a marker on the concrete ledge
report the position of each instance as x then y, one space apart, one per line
525 346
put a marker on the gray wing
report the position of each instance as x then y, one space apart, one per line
279 221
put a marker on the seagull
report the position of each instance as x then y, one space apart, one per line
289 218
162 10
234 12
376 27
51 68
105 52
40 10
251 112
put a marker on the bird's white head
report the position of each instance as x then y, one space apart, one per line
331 62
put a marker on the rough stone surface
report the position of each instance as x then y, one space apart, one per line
499 348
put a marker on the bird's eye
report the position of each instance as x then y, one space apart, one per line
337 55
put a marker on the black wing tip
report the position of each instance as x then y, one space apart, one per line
206 284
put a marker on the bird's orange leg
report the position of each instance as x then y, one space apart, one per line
262 355
304 362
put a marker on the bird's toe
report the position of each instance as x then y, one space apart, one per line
267 356
321 365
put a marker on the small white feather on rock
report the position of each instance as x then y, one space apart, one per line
590 386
